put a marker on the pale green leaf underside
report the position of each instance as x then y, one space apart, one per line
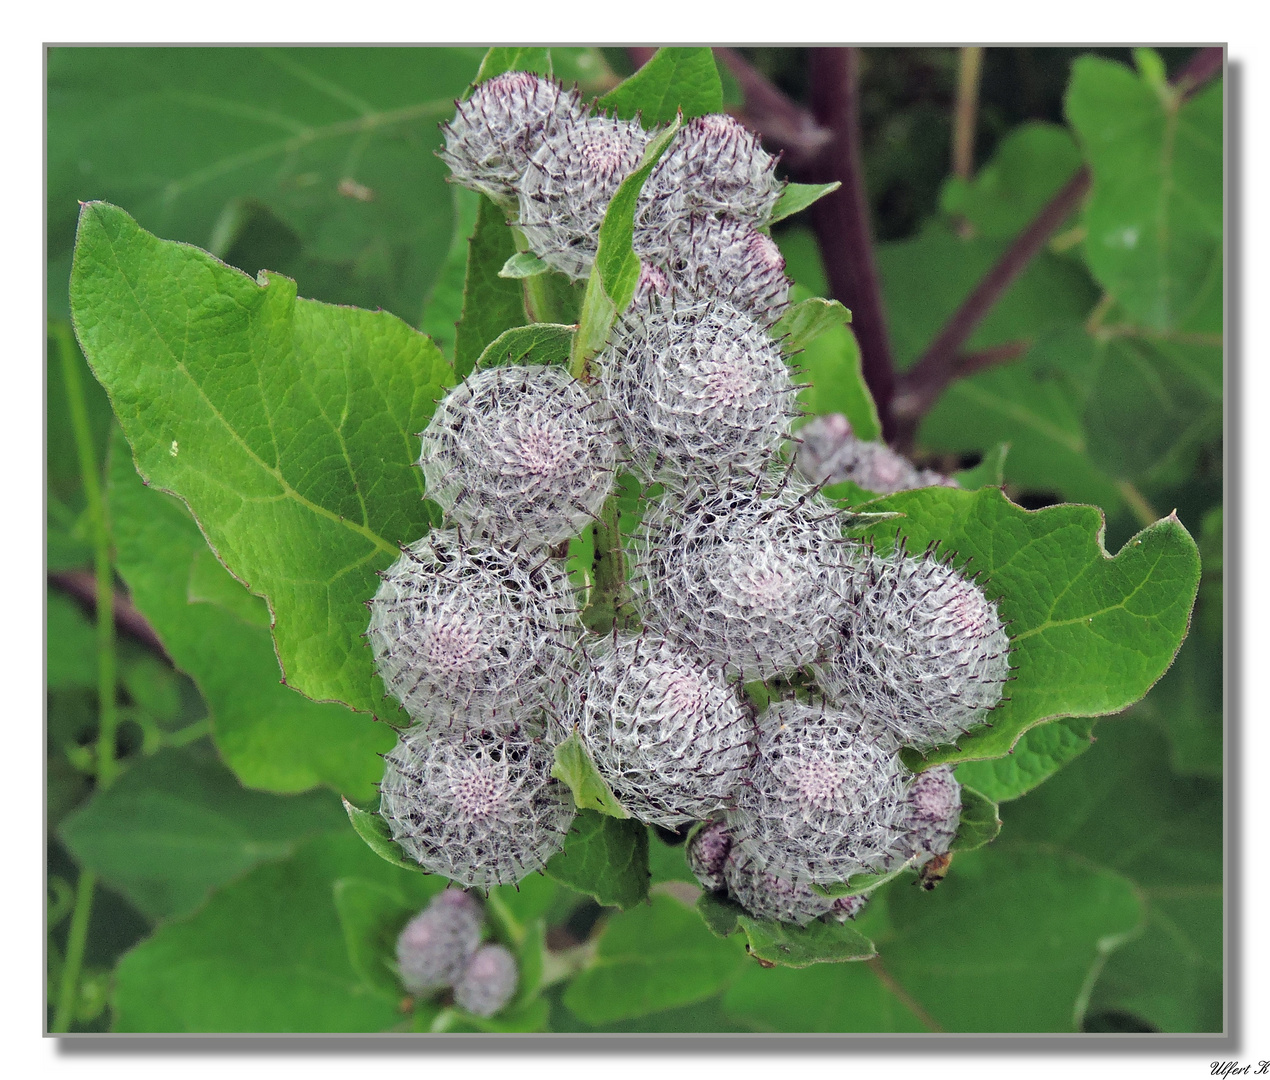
796 197
573 766
288 426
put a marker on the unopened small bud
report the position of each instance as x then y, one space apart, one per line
434 948
489 981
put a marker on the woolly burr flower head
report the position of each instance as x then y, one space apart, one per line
471 636
696 386
480 808
489 981
435 946
496 131
932 812
830 453
665 730
755 578
924 651
706 851
719 167
519 452
730 259
768 896
824 797
568 183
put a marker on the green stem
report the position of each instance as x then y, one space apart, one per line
540 305
610 600
107 714
188 734
76 939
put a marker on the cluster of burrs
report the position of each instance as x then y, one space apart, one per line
741 572
440 949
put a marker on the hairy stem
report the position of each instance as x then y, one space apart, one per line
610 601
841 220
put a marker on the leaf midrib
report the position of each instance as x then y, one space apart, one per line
288 491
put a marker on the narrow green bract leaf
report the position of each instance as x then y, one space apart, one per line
782 943
858 884
573 766
374 830
522 265
674 80
979 823
796 197
444 308
1089 634
537 343
288 426
606 858
806 321
615 261
491 303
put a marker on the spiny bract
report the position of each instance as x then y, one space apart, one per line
719 166
824 797
754 576
567 186
496 131
468 636
434 948
924 651
666 731
519 453
489 981
696 382
729 259
482 808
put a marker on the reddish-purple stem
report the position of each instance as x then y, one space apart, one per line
81 585
841 220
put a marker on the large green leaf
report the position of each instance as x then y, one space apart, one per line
1007 940
338 144
218 633
1154 214
178 825
286 425
1027 169
605 858
1039 754
1089 633
653 957
266 953
674 80
1119 806
926 278
825 998
491 303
